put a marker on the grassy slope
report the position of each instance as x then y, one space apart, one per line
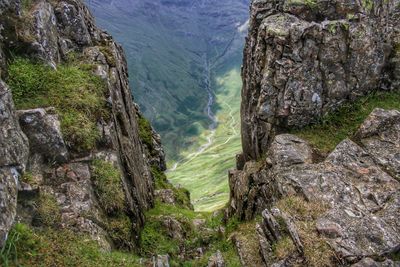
205 175
342 124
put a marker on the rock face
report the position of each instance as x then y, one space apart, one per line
303 59
13 159
357 183
52 31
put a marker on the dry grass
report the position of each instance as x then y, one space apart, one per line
284 248
247 236
317 252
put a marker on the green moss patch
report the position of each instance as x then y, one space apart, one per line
108 186
146 133
76 93
343 123
47 247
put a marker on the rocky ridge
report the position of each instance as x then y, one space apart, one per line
37 161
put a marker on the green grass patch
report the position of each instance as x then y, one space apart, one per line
76 93
154 240
47 247
119 228
146 133
47 210
343 123
108 186
182 195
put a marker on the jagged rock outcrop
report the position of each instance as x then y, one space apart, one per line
303 59
355 191
52 32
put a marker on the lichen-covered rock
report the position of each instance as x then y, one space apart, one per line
43 131
13 142
380 137
357 184
13 159
303 59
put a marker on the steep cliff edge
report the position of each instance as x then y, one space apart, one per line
74 146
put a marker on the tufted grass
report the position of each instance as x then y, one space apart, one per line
76 93
343 123
47 210
49 247
108 186
317 252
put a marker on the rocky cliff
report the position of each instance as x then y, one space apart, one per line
305 58
304 62
73 161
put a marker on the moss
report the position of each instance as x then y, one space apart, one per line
108 186
146 133
119 228
47 210
342 124
49 247
77 95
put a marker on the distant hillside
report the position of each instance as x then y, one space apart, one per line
168 45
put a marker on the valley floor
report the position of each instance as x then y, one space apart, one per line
204 171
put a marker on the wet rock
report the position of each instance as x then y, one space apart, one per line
44 134
216 260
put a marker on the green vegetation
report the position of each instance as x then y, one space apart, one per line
77 95
205 173
146 133
47 247
343 123
110 193
155 238
47 210
108 186
182 195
